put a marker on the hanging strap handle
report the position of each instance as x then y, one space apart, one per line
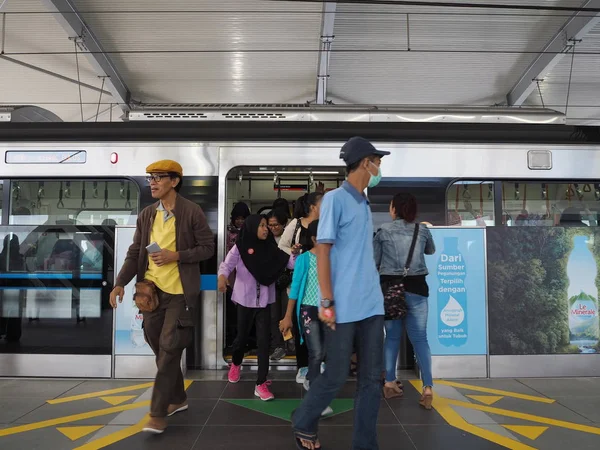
412 249
457 197
128 202
105 195
83 202
481 199
60 203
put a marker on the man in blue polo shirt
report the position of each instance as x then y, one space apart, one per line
352 302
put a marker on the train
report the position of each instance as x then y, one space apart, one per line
70 195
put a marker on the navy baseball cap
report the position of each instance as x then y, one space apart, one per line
358 148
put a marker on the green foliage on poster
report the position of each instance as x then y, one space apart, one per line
528 290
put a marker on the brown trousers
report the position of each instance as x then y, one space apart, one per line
168 331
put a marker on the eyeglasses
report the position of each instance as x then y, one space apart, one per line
156 178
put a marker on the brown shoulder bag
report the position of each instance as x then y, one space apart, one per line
145 296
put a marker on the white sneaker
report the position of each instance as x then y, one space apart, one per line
306 385
301 375
327 411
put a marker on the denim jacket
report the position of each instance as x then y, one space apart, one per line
391 246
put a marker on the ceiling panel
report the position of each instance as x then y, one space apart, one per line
195 51
425 78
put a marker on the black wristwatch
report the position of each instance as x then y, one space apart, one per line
327 303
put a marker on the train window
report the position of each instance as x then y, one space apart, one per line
429 193
550 204
52 280
470 203
73 202
1 197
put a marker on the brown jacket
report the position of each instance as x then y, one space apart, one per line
194 242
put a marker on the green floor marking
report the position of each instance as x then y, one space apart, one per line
282 408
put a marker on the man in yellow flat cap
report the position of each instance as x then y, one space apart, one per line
172 236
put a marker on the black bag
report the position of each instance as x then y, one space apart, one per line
394 300
285 279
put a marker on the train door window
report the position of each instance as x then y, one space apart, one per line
55 286
73 202
549 204
1 197
470 203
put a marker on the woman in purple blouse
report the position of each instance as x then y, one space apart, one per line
258 263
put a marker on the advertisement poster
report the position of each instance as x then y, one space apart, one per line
543 290
129 335
457 289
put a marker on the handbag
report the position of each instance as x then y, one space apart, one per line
145 296
394 299
285 279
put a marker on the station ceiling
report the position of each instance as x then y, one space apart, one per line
93 60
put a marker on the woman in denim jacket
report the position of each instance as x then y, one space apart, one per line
391 246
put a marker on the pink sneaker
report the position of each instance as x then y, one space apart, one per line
234 373
262 391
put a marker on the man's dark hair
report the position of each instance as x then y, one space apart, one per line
354 166
174 175
280 215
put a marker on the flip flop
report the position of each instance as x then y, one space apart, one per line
305 437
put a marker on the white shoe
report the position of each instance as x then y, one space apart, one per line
306 385
301 375
327 411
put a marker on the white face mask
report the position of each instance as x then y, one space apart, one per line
375 179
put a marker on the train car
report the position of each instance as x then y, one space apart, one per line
71 193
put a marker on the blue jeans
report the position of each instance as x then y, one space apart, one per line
416 327
339 345
314 335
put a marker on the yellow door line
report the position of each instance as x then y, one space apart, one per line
115 437
453 418
531 398
135 387
121 434
71 418
524 416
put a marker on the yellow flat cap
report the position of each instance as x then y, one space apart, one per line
166 165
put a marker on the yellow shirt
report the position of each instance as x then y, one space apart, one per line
166 277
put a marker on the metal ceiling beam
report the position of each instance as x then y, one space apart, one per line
52 74
69 18
574 29
327 37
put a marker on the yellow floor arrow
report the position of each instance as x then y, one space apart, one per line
75 433
486 399
531 432
118 399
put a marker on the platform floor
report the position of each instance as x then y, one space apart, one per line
468 414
